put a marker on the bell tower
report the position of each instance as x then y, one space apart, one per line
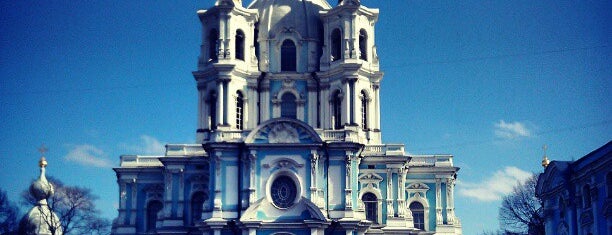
350 70
227 61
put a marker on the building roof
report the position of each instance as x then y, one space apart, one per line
301 16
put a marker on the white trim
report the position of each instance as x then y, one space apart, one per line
296 179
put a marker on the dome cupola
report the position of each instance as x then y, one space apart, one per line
301 16
41 189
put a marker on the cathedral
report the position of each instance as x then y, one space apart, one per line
289 138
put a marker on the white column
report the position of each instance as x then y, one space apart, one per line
222 36
355 101
225 102
346 108
220 105
376 111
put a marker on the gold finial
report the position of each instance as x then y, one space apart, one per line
545 160
43 160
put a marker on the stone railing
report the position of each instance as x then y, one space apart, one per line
136 161
432 160
224 135
184 150
384 149
348 134
336 135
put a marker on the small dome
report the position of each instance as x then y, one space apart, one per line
40 220
41 189
301 16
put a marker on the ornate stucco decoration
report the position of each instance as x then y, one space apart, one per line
283 163
370 180
283 131
417 190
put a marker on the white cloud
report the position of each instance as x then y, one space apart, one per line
495 186
511 130
148 145
87 155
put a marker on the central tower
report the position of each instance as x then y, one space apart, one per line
288 58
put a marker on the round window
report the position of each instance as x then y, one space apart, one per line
283 192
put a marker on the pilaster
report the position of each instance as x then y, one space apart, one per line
450 201
217 211
438 202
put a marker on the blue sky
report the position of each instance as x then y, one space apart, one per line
487 81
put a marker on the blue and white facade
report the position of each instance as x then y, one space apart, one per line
288 138
577 195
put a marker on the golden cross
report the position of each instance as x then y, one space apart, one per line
545 147
43 149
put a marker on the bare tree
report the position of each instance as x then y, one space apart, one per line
8 214
521 211
75 209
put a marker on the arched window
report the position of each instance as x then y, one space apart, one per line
153 208
418 214
363 45
197 206
336 45
371 206
586 193
239 111
364 110
212 110
337 109
609 184
239 45
288 56
213 36
288 106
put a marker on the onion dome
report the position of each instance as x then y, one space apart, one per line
41 220
41 189
301 16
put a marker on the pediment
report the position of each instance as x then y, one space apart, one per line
417 186
370 177
283 131
263 210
